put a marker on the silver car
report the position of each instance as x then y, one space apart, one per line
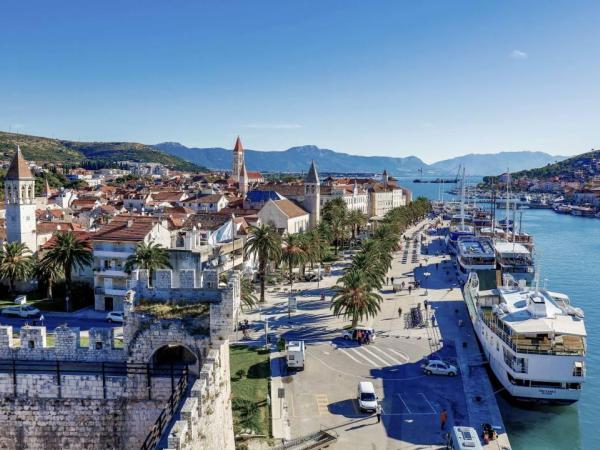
438 367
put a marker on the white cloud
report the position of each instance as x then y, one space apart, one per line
518 54
273 126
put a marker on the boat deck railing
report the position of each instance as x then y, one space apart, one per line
561 345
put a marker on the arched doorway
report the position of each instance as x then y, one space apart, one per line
175 356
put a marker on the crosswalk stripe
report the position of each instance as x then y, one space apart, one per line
401 355
385 363
347 353
356 352
386 355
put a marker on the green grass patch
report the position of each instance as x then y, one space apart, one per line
250 371
162 310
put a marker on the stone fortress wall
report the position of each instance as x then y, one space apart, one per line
69 410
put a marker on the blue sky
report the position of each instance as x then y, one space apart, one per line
429 78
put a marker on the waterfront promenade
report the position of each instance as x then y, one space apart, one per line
323 395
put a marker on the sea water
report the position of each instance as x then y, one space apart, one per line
567 252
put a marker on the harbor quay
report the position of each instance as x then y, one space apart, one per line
323 396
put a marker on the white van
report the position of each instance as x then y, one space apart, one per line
295 355
367 399
464 438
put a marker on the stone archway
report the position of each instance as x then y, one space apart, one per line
155 339
175 355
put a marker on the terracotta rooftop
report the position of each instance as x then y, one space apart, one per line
80 235
126 228
289 208
18 169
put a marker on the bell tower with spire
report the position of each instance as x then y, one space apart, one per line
312 195
243 183
19 194
238 159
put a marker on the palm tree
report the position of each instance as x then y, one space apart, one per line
148 256
68 252
334 214
16 263
47 274
265 243
354 298
356 220
247 296
292 254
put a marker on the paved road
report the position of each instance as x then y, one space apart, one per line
52 320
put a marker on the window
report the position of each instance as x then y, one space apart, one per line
30 344
98 345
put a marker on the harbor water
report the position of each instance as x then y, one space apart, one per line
567 249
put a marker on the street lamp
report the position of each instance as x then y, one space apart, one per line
426 275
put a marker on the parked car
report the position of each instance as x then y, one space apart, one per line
21 311
313 276
115 316
438 367
351 333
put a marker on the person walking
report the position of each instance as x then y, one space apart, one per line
399 312
409 289
443 418
387 280
378 411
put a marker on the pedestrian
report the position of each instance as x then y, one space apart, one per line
409 289
378 411
433 320
402 285
443 418
359 337
425 303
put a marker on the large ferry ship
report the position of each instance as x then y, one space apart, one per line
534 340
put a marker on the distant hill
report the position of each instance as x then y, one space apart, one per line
296 159
37 148
587 165
495 163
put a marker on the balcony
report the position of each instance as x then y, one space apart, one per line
115 291
110 272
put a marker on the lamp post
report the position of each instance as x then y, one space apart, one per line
426 275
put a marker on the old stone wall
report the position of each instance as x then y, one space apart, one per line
206 420
52 424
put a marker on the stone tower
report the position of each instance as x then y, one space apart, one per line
312 195
238 160
386 178
19 194
243 181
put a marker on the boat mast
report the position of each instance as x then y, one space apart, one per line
462 200
507 199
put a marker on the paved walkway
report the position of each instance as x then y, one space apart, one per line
314 323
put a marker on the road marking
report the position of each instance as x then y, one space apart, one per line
322 403
350 356
356 352
400 354
385 363
428 402
404 403
387 355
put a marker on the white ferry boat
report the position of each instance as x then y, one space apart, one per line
473 254
514 259
534 340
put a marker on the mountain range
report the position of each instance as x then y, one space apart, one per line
296 159
36 148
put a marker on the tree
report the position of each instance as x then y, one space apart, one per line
354 298
356 220
67 252
265 243
48 273
335 215
292 254
148 256
247 296
16 263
